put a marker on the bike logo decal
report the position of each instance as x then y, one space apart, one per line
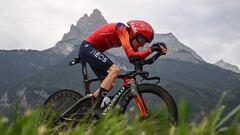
113 100
105 101
99 55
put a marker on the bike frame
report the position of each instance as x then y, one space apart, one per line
129 81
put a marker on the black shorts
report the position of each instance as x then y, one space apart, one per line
97 60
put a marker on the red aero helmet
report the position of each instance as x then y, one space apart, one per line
142 28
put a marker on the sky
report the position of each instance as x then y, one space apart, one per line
209 27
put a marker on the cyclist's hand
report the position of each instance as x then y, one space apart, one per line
155 47
159 46
163 48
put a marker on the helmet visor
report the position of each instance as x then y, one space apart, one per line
141 40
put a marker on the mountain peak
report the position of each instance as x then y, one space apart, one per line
225 65
221 61
96 12
177 50
85 17
85 25
170 35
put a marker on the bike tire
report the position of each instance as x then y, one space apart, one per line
59 102
156 91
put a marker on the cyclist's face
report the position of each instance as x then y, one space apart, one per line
135 44
139 42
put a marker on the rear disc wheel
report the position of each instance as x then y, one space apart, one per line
60 101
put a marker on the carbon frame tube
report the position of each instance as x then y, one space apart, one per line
138 99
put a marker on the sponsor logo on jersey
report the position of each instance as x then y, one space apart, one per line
86 45
99 55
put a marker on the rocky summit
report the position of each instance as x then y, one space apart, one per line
227 66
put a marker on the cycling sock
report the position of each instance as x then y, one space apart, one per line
102 93
100 104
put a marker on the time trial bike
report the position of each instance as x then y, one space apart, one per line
144 98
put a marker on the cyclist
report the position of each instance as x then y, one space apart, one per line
112 35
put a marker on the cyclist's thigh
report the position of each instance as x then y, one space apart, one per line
99 72
97 60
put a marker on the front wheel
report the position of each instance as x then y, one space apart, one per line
158 102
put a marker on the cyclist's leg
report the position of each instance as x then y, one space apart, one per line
113 73
100 63
102 99
108 82
99 73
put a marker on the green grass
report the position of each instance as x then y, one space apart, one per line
30 123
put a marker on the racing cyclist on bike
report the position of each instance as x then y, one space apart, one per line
112 35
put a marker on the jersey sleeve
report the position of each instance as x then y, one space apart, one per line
123 36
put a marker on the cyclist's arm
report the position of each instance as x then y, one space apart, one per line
124 38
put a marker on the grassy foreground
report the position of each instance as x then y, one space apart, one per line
30 123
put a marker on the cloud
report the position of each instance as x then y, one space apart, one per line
37 24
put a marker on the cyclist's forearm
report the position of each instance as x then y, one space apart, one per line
142 54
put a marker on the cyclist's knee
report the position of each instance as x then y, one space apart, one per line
114 70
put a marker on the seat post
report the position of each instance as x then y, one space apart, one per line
85 77
84 70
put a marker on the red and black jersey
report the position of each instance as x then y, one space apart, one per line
114 35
